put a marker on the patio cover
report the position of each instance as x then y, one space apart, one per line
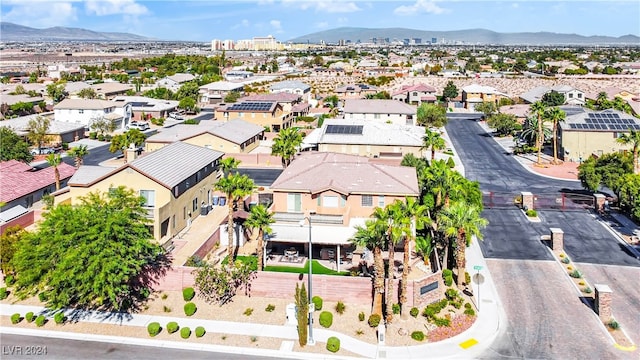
320 233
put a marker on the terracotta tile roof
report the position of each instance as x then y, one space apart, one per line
18 179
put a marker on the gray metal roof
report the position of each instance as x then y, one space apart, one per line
237 131
174 163
378 106
87 174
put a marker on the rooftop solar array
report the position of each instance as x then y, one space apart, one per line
251 106
596 126
344 129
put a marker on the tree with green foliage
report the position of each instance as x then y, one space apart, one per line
630 194
12 147
218 286
537 109
96 254
331 100
187 103
488 108
505 124
232 96
379 95
56 91
54 160
21 108
302 311
260 218
553 98
102 125
450 91
589 178
189 89
9 241
229 164
556 116
432 140
286 145
633 139
122 142
431 115
88 93
78 153
38 131
372 237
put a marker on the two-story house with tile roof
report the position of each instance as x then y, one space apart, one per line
384 111
293 87
571 95
355 91
475 94
268 114
215 92
175 181
415 94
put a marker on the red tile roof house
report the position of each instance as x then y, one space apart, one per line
22 186
338 192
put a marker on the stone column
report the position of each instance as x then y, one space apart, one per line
598 200
557 239
527 200
603 302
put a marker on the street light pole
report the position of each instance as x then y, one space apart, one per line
310 341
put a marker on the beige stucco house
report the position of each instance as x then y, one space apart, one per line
176 181
475 94
268 114
384 111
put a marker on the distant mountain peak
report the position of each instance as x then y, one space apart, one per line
19 33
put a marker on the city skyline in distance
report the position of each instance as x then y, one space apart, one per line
205 20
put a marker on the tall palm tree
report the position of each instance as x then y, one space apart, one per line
260 218
432 140
602 101
462 221
236 187
286 145
537 109
78 153
54 160
229 164
555 115
372 236
632 138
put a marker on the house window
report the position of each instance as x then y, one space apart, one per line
367 200
149 197
294 202
579 96
184 212
381 201
376 116
570 96
81 111
343 200
330 201
173 221
194 205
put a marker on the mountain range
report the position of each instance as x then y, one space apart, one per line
470 36
19 33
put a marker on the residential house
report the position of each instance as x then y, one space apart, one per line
268 114
415 94
238 75
572 95
594 133
176 181
59 131
215 92
612 93
145 108
173 82
475 94
235 136
366 138
22 185
355 91
337 192
86 111
109 90
293 87
385 111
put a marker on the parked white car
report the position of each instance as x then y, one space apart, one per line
176 116
43 151
142 126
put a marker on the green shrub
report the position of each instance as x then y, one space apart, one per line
248 312
395 308
467 305
93 135
447 272
166 309
361 316
185 332
532 213
587 290
42 297
417 336
9 280
154 329
612 324
41 320
200 331
3 293
190 309
191 122
188 293
164 296
100 137
442 322
29 316
467 278
414 311
317 302
15 318
469 312
340 307
565 260
326 319
374 320
59 317
270 308
333 344
576 274
172 327
451 294
450 163
447 275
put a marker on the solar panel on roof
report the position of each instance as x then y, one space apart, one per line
344 129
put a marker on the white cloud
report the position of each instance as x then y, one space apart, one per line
40 15
276 26
421 6
244 23
327 6
115 7
322 25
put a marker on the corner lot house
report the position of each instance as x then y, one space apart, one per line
474 94
384 111
263 113
175 182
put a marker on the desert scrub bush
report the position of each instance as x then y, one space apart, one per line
188 293
395 308
587 290
326 319
467 278
29 316
340 307
451 294
440 322
164 296
200 331
166 309
254 338
359 332
417 336
270 308
469 312
190 309
565 260
172 327
532 213
374 320
185 332
59 317
3 293
42 297
15 318
361 316
581 283
414 311
447 275
467 305
248 312
613 325
333 344
576 274
317 302
41 320
153 329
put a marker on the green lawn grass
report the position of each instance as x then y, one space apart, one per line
316 267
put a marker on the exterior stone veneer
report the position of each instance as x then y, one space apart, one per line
557 239
433 295
603 302
527 200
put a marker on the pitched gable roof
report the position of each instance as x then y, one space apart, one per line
378 106
18 179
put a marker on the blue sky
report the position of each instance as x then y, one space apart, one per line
203 20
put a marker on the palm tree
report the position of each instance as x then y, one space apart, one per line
432 140
537 109
632 138
286 145
229 164
602 101
260 218
462 221
556 116
236 187
54 160
372 236
78 153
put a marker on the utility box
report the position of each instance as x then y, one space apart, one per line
291 314
381 333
